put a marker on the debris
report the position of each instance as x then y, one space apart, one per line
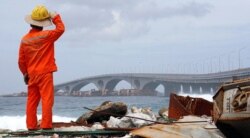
101 113
73 128
137 118
163 112
97 126
202 129
231 112
181 106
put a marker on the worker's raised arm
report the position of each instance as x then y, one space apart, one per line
58 31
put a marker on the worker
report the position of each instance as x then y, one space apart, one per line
37 64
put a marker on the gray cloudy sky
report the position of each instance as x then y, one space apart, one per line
141 36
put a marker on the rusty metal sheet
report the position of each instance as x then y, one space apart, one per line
181 106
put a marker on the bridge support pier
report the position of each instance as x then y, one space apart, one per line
186 88
195 88
171 88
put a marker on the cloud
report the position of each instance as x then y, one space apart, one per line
153 11
117 20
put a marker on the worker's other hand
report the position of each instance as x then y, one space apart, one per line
26 78
52 14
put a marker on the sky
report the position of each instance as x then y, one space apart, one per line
132 36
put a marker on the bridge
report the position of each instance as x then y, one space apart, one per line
191 83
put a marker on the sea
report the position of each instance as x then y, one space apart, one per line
66 109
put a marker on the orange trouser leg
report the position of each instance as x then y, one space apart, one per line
33 99
46 88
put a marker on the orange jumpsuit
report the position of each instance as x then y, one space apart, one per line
36 58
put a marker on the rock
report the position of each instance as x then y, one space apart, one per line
119 123
103 112
73 128
138 122
129 122
163 112
113 122
145 110
106 102
97 126
3 132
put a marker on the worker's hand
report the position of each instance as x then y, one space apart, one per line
26 78
52 14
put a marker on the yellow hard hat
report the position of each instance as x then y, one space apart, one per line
40 13
39 17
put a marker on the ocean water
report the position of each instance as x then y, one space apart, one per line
66 109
